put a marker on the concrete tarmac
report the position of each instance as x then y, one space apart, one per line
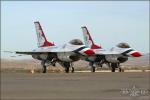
75 86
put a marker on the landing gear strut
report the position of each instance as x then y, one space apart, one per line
72 68
44 66
120 69
92 66
44 69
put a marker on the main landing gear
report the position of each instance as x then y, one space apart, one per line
46 63
93 69
67 66
114 66
44 69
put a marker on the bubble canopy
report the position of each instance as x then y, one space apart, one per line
123 45
76 42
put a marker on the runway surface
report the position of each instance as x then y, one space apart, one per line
74 86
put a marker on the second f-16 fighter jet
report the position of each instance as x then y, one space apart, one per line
113 57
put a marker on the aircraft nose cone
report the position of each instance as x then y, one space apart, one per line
89 52
136 54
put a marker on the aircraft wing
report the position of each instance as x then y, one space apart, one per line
43 51
29 52
37 52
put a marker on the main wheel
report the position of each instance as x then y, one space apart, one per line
67 69
120 70
72 69
92 69
44 69
114 66
67 66
113 69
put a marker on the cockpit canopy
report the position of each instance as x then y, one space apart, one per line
76 42
123 45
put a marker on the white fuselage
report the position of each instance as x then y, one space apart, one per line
63 52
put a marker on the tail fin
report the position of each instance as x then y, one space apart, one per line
88 39
42 41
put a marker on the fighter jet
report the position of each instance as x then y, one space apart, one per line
113 57
48 53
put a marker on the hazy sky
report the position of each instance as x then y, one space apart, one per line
109 23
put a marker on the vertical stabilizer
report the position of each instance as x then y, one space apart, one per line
88 39
42 41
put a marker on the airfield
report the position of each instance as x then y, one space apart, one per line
18 82
72 86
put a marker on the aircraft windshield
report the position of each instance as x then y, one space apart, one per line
76 42
123 45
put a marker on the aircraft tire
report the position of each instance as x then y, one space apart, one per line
92 69
44 69
67 66
120 70
113 67
72 69
67 69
